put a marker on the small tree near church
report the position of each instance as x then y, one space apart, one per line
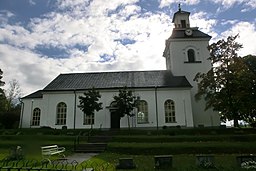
125 103
89 103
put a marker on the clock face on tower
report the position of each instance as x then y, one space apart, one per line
188 32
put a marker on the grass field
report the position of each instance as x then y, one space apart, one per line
182 162
142 146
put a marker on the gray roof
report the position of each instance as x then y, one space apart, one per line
181 34
113 80
37 94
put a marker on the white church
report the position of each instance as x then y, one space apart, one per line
166 97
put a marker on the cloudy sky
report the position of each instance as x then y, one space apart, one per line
39 39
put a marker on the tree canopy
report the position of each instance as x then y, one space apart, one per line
89 103
229 84
125 102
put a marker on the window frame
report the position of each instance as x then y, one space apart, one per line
61 114
36 117
191 59
169 110
142 109
89 119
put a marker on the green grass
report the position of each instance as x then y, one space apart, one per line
183 148
142 145
108 161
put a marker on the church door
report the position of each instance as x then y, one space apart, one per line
115 120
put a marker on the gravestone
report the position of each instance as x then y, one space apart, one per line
126 163
205 161
245 158
163 161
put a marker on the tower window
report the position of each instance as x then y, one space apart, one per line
183 23
191 55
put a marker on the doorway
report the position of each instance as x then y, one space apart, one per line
115 120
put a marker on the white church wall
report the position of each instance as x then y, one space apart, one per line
179 66
27 113
49 102
183 110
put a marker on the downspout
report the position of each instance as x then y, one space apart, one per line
156 108
21 113
75 110
184 103
31 115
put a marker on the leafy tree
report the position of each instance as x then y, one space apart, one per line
125 103
219 86
247 87
89 103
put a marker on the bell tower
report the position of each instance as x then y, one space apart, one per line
186 54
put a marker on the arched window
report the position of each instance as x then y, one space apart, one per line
88 119
36 117
142 116
191 55
169 108
61 114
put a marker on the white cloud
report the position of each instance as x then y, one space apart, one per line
247 36
226 4
101 26
164 3
202 21
31 2
4 16
98 30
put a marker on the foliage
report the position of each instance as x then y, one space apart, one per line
221 86
125 102
9 107
2 95
10 119
15 154
247 95
89 102
13 94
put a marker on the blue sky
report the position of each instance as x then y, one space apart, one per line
39 39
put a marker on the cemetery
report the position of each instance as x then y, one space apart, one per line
135 149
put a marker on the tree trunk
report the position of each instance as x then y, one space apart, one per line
128 120
236 125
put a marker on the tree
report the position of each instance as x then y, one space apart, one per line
89 102
3 101
247 94
219 86
9 106
13 94
125 103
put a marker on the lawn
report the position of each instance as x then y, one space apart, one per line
108 161
142 146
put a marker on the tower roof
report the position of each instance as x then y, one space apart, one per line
176 34
180 12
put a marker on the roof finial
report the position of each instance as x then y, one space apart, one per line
179 7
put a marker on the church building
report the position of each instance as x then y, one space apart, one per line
166 97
